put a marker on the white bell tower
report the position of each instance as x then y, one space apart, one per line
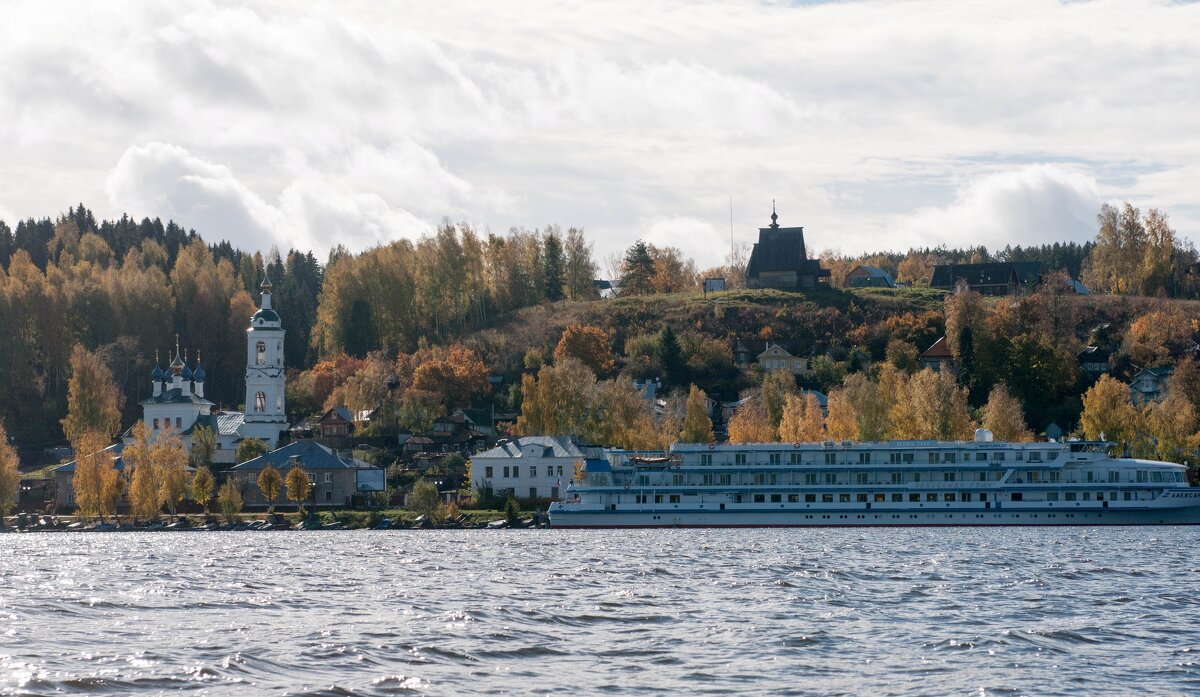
265 415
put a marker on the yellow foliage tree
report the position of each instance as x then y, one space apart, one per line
1172 425
145 485
619 415
750 423
802 420
171 460
697 427
95 481
587 344
776 387
298 486
841 423
202 486
557 402
270 481
932 407
871 401
93 400
1004 416
1107 412
229 498
10 476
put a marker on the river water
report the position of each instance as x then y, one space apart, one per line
922 611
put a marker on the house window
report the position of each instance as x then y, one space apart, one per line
553 492
260 353
328 477
178 422
156 424
487 472
533 492
328 496
506 472
533 471
260 402
516 471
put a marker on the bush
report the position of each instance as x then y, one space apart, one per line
512 511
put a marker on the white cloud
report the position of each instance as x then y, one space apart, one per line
310 124
1028 206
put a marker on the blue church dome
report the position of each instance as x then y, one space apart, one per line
198 374
157 374
187 372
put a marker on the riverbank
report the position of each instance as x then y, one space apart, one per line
394 519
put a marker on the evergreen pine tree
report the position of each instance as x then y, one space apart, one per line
637 271
552 265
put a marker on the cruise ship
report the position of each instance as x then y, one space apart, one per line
897 483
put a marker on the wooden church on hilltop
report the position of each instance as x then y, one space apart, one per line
780 260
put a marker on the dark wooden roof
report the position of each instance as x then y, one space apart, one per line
780 249
1023 273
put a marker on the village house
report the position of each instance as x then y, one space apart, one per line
996 278
939 357
1094 361
779 260
1149 385
775 357
530 466
452 433
335 478
869 277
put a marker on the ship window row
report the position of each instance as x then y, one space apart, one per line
895 457
920 498
841 478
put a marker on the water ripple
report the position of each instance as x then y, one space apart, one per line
770 612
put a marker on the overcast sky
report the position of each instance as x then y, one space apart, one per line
875 125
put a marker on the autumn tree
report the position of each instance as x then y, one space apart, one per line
269 483
203 446
171 460
93 400
841 421
1107 413
802 420
870 403
202 486
229 498
588 344
618 414
750 423
458 377
777 385
249 449
145 485
95 479
1156 336
1172 426
299 488
903 355
579 270
557 402
10 476
697 426
1004 416
931 407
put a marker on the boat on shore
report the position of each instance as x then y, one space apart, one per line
896 483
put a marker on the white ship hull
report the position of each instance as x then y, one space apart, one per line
786 519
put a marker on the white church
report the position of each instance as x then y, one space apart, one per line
177 402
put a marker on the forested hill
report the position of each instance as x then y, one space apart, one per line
124 289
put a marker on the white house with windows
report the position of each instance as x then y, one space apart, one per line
529 467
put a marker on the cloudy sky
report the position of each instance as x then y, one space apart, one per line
876 125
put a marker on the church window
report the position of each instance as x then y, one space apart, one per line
261 353
278 402
260 402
